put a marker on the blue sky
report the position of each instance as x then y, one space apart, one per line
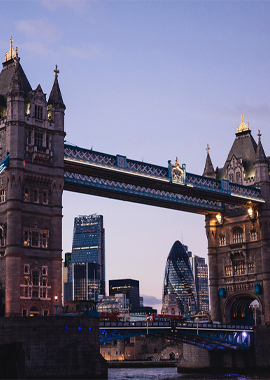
151 80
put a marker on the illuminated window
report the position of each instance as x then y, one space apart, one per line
38 112
238 236
36 195
26 237
239 267
2 195
251 267
228 270
45 197
26 194
35 239
44 239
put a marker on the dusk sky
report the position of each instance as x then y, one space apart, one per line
151 80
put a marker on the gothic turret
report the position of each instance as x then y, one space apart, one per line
261 163
56 106
208 168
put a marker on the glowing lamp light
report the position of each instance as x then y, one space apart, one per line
251 213
56 298
219 218
244 334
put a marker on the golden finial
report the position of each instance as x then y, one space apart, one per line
176 162
208 148
12 52
243 126
56 72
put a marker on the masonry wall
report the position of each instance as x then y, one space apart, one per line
59 347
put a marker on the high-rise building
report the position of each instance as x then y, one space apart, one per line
179 280
129 287
200 272
87 265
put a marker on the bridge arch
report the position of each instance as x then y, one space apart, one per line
240 309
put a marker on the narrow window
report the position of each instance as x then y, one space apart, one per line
222 240
47 141
35 278
239 267
35 239
44 281
253 235
29 137
44 239
35 293
228 270
38 139
2 195
26 236
26 194
36 196
38 112
45 197
238 236
44 271
251 267
2 237
26 268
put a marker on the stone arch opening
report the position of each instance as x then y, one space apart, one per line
34 311
245 310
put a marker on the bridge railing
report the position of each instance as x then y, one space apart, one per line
118 162
184 325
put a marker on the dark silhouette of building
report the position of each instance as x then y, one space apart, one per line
129 287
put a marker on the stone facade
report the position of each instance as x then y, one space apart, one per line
53 347
31 186
239 239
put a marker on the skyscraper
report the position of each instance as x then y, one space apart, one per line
200 272
179 280
87 273
129 287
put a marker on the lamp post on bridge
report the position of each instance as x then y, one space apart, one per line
56 305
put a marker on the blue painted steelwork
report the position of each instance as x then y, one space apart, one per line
106 175
207 335
4 164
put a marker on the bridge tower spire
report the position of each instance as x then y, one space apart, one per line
31 186
209 170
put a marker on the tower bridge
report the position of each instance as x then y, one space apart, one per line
37 166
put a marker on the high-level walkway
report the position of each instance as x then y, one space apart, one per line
97 173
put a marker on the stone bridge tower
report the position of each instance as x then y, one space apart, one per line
239 239
31 186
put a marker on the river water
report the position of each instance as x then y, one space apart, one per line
171 373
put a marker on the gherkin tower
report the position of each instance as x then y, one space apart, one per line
179 280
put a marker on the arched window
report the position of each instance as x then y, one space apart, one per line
238 235
238 177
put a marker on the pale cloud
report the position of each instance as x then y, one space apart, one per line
78 6
40 29
88 52
38 48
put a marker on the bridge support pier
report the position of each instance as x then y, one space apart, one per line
198 359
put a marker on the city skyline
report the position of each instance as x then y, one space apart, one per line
152 81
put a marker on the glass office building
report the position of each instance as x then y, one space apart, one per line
179 280
87 272
200 272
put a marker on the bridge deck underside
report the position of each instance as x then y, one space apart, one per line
208 340
96 180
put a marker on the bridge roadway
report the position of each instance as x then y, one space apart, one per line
207 335
117 177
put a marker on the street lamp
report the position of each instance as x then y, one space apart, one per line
255 305
56 305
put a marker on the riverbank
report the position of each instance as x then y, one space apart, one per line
141 363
